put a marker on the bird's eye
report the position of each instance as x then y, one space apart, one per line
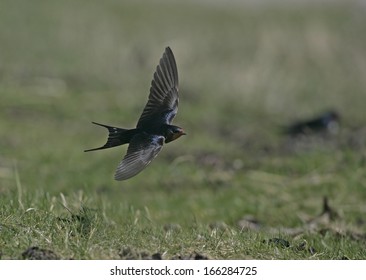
174 130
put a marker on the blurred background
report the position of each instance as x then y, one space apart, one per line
247 70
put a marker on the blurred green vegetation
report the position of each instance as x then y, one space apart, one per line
245 70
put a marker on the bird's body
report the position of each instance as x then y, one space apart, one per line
326 122
154 126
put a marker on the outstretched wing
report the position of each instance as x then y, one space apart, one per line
162 105
142 150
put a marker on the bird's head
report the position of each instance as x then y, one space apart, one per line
173 132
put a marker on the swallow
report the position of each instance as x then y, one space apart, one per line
326 122
154 126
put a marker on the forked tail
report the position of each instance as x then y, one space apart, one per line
117 136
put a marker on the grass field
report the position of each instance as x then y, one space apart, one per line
234 187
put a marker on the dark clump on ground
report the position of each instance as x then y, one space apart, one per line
129 253
279 242
193 256
36 253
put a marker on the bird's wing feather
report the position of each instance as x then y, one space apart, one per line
142 150
162 105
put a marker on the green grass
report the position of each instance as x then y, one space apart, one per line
245 70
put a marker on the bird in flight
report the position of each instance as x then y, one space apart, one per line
154 126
